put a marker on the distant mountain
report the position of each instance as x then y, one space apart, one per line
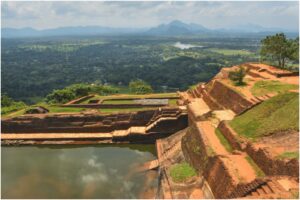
253 28
63 31
174 28
177 28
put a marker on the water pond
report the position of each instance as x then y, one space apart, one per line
102 171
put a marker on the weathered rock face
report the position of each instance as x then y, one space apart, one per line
221 182
196 149
270 165
228 98
213 168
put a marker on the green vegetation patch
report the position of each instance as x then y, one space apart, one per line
182 172
58 109
279 113
109 101
257 170
120 110
172 102
264 87
289 155
231 52
223 140
61 47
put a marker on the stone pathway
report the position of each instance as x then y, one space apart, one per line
209 132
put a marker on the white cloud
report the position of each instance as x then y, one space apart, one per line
145 14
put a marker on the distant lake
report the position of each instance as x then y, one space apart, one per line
185 46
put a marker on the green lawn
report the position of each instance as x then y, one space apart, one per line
279 113
57 109
289 155
173 102
264 87
154 95
223 140
182 172
118 102
134 96
120 110
52 109
231 52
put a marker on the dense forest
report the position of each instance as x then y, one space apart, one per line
33 67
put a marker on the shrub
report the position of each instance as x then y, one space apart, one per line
237 76
140 87
182 172
9 105
60 96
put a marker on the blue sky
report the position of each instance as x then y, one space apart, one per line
220 14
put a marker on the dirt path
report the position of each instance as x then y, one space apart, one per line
242 168
238 164
214 141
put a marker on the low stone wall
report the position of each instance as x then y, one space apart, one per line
228 98
75 123
97 105
170 125
221 182
195 149
287 74
270 165
75 101
210 101
254 74
229 134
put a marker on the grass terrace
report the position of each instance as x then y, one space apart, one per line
51 108
131 96
121 110
118 101
289 155
279 113
223 140
264 87
257 170
231 52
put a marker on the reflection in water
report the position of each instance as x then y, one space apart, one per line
85 172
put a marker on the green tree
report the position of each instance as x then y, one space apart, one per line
9 105
237 76
80 89
60 96
278 47
140 87
6 100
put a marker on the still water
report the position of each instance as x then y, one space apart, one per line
76 172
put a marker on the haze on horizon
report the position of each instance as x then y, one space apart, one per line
148 14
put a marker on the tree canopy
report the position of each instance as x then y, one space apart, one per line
78 90
10 105
237 76
140 87
278 47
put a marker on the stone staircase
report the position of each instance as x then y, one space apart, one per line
260 188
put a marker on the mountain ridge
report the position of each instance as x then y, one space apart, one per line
173 28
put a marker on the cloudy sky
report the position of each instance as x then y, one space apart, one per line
42 15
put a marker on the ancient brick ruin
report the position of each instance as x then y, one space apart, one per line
183 133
